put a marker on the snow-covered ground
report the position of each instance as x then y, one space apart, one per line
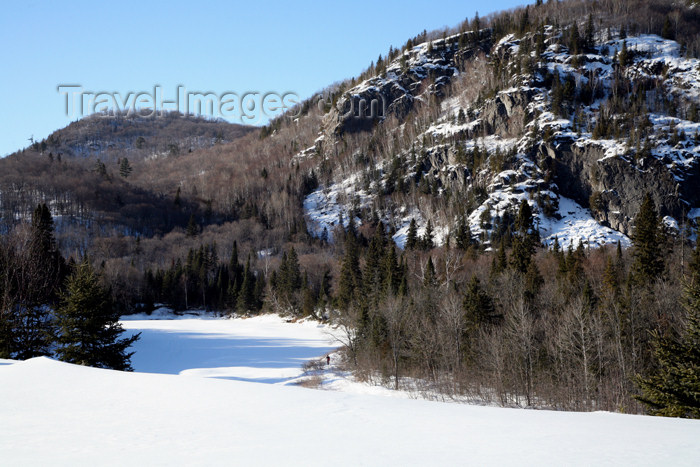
577 224
53 413
261 349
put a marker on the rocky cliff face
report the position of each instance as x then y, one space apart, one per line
424 70
617 184
558 129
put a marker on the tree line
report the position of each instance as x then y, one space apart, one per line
579 329
53 307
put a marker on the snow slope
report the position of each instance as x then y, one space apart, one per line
53 413
59 414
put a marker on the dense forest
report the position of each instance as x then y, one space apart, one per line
121 214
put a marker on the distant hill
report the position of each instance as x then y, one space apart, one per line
110 136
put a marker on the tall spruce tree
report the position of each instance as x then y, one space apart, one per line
350 280
412 237
125 168
463 237
427 240
674 389
646 239
392 272
88 324
373 274
33 275
246 302
429 275
192 227
478 306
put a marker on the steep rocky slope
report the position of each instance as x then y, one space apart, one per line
521 117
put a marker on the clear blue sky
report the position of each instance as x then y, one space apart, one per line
207 46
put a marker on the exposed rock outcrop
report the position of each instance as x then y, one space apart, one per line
582 169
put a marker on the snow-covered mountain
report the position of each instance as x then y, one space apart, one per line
582 136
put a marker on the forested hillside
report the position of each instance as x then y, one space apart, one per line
503 211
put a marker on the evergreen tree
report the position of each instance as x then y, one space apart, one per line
392 272
590 33
430 276
646 239
667 31
192 227
324 290
427 241
125 168
31 277
500 261
533 281
289 277
523 223
245 302
623 56
574 40
412 237
101 169
674 389
611 282
463 237
524 242
88 324
373 274
350 280
521 255
44 254
478 305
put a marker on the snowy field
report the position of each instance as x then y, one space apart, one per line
211 409
265 349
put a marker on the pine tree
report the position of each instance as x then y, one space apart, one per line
524 242
521 255
350 280
192 227
533 282
31 278
427 241
289 277
574 40
46 257
646 239
412 237
392 272
125 168
101 169
478 305
463 237
667 31
245 302
373 274
523 223
674 389
590 33
623 57
611 282
429 275
500 261
88 324
324 290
